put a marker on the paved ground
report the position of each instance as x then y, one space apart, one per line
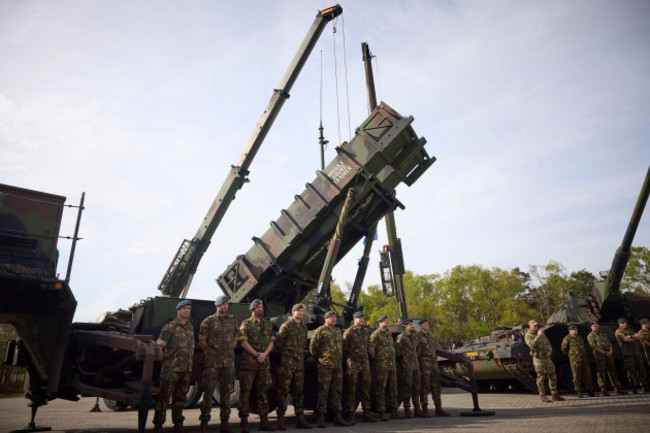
514 412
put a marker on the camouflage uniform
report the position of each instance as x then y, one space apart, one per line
177 341
355 351
645 336
291 343
574 347
385 370
259 334
219 334
326 347
406 349
632 358
544 368
429 369
604 364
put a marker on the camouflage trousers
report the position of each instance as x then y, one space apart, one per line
411 387
225 376
605 366
430 383
581 375
363 378
174 384
386 378
291 379
262 377
330 382
545 371
636 374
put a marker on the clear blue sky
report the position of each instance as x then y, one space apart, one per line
537 111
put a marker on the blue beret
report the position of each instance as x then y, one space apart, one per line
572 327
221 299
183 303
382 318
622 320
643 321
256 303
357 314
421 321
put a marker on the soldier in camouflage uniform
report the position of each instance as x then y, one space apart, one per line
632 357
602 349
176 342
256 337
540 349
218 338
429 370
406 352
326 347
573 345
291 343
645 338
355 352
382 350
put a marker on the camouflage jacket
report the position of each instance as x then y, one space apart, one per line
632 348
406 350
177 341
382 341
426 349
539 344
574 347
355 347
219 333
599 340
291 343
645 336
326 347
259 334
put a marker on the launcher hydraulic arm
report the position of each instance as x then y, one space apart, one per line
177 279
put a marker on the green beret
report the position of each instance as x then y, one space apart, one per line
643 321
330 313
622 320
421 321
407 321
183 303
382 318
357 314
221 299
297 307
572 327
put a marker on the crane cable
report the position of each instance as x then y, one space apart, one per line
336 80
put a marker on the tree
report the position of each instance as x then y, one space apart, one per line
550 292
637 273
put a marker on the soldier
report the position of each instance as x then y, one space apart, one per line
429 370
256 337
645 338
382 350
291 344
540 349
406 350
632 358
176 343
603 349
326 347
573 345
218 338
355 352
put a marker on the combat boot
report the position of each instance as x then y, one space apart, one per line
243 425
178 427
224 427
425 411
338 420
618 391
394 414
383 416
350 418
545 399
591 394
301 422
580 394
265 425
281 425
321 420
556 397
368 417
441 412
604 392
419 413
157 428
407 412
634 391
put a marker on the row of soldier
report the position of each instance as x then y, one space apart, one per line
634 345
220 333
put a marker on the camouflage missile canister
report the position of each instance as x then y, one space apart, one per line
384 152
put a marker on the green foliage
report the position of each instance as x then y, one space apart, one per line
637 274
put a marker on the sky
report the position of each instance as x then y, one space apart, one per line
537 112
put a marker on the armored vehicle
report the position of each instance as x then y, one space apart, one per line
502 360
